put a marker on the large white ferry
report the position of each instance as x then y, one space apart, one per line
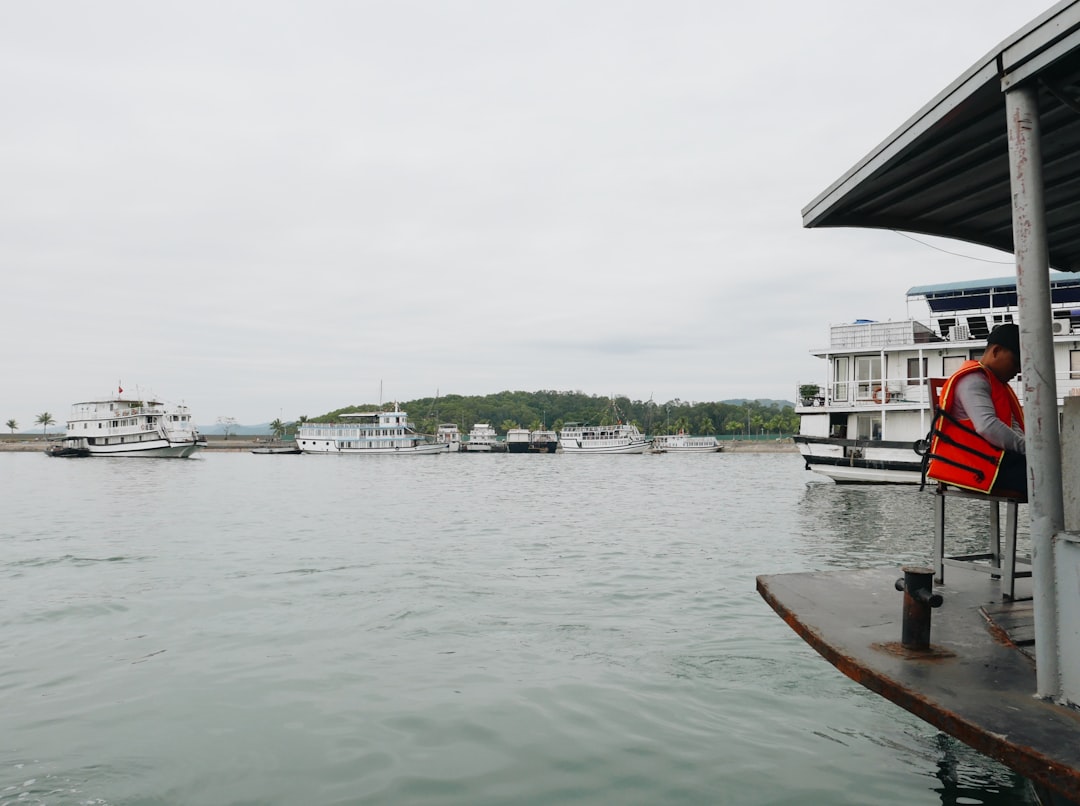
616 438
376 432
861 424
682 443
130 427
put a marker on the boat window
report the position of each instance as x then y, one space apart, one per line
951 363
840 379
914 375
867 375
869 426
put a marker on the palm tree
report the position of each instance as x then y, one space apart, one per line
277 428
45 420
11 425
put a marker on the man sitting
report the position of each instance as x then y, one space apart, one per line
977 439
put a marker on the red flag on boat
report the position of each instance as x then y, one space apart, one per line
119 389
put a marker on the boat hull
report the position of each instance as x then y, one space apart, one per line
325 448
856 461
574 447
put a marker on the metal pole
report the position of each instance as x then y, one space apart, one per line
1043 444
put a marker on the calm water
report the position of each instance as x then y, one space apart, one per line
241 629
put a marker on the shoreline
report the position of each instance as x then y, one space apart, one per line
240 444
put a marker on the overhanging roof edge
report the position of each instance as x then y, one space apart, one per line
1043 33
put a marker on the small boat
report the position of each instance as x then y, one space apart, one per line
367 433
517 440
615 438
277 449
543 442
482 439
66 451
126 426
681 443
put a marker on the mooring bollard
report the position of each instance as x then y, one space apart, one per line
919 598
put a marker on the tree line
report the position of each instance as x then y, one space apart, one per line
548 409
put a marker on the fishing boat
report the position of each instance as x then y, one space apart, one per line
543 441
129 426
683 443
614 438
862 421
449 436
517 440
482 439
990 160
366 433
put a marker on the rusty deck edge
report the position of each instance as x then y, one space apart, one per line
1032 765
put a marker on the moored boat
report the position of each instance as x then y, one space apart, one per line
449 436
615 438
517 440
862 422
126 426
683 443
366 433
543 442
278 449
482 439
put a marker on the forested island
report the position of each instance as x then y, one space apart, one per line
550 410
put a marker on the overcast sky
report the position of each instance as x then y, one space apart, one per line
270 208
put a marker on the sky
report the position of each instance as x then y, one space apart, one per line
273 209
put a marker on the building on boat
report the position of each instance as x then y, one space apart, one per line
990 160
126 426
367 433
615 438
683 443
861 420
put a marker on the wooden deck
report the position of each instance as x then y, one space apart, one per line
977 680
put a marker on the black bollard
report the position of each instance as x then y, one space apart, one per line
919 598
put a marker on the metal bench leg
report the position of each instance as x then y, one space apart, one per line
995 535
939 539
1008 579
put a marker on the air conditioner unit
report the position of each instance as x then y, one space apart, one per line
959 333
1061 327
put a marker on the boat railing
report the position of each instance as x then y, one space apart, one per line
899 392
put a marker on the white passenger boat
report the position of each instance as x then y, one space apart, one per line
125 426
616 438
482 439
682 443
861 424
449 436
543 442
517 440
375 432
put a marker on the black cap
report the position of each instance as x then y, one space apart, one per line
1007 336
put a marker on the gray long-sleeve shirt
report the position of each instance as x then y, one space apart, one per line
972 401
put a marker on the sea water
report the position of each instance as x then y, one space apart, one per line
450 629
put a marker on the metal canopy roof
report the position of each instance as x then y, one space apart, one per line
946 171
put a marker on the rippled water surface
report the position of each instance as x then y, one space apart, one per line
242 629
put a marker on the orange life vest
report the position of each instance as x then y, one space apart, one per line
958 455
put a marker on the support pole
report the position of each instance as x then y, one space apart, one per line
1039 376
